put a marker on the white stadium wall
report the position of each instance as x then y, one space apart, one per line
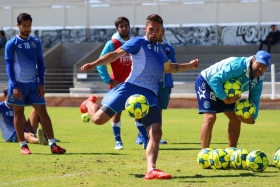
215 22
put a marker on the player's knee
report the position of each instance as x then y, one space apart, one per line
209 118
98 120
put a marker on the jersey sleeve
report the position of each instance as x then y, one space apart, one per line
103 69
40 64
132 46
9 60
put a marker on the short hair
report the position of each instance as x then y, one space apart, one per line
154 18
121 19
23 17
5 90
2 33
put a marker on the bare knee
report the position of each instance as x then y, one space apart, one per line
99 118
209 118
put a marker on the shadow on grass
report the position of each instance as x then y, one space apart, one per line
70 154
198 143
197 176
179 149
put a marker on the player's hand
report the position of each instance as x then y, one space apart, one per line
86 67
194 63
231 100
248 121
40 90
17 93
113 83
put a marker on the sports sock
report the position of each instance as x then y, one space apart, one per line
21 143
117 130
142 130
51 141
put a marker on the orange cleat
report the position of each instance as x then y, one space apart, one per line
157 174
83 107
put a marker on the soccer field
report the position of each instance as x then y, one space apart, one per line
92 161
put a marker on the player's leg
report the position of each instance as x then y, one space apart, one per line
206 129
31 138
33 120
142 137
207 106
152 122
234 128
116 127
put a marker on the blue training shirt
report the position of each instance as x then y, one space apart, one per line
6 121
23 57
234 68
147 62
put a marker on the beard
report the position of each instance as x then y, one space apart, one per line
124 35
25 33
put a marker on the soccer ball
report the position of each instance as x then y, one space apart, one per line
230 150
137 106
238 159
257 161
85 117
203 158
276 158
233 87
245 108
219 159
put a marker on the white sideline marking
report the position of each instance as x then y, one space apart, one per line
43 178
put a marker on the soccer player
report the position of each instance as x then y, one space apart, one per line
212 99
116 72
148 63
24 61
7 124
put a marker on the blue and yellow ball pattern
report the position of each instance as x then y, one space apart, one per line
257 161
137 106
233 87
85 117
245 108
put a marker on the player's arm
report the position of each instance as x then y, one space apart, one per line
41 71
108 58
170 67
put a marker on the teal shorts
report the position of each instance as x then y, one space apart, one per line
163 96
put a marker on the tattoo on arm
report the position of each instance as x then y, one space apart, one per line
176 67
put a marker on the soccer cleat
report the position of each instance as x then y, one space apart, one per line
162 142
139 139
83 107
41 137
55 149
119 145
25 150
157 174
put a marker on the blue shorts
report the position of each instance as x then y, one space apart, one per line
163 96
207 100
13 138
115 99
30 96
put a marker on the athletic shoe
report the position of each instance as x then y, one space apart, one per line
41 137
119 145
55 149
83 107
25 150
145 144
139 139
157 174
162 142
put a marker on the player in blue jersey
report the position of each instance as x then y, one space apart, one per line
148 63
212 99
24 61
7 124
116 72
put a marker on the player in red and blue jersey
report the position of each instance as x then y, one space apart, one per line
116 72
148 63
24 62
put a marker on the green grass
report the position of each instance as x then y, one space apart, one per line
92 161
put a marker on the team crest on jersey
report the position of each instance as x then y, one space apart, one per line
12 98
33 44
108 99
213 96
206 104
